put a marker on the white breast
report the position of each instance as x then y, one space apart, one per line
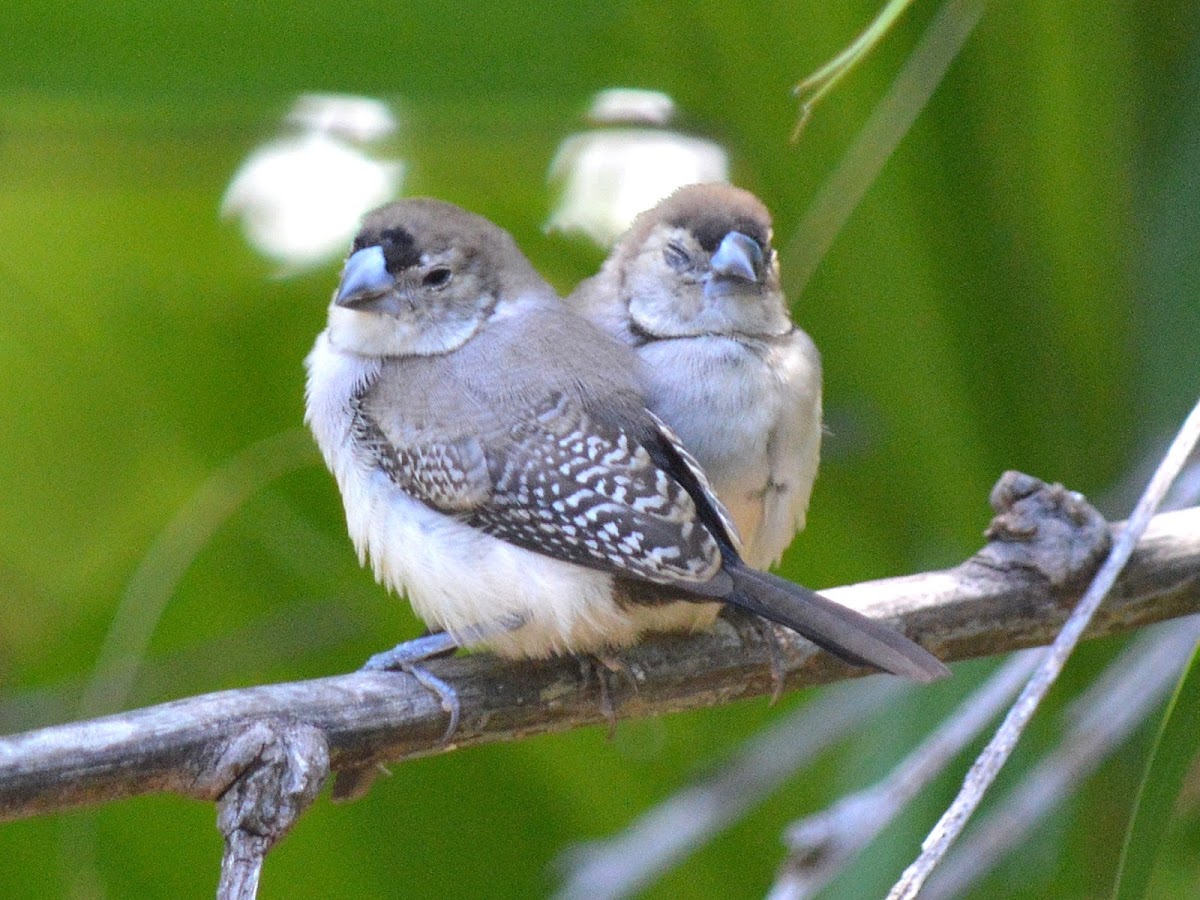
752 419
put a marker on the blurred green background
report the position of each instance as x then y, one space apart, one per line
1019 289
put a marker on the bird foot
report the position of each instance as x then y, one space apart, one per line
354 782
407 657
606 669
751 629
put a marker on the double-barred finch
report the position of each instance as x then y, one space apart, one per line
499 466
693 287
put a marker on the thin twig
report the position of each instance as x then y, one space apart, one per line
890 121
1131 689
983 772
823 844
812 90
659 839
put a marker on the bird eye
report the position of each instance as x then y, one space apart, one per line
676 257
437 278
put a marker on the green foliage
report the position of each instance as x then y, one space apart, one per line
1018 290
1172 755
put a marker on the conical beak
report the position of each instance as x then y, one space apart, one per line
738 256
364 278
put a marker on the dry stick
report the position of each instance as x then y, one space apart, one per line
270 774
660 838
1129 690
1117 703
983 772
824 843
976 609
821 845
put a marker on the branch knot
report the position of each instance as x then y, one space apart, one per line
1043 530
273 771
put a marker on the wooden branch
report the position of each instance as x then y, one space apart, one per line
1012 594
274 769
987 765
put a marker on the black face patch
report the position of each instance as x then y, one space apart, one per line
711 230
399 248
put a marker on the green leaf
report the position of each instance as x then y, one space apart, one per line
1174 749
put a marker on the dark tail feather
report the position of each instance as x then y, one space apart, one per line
829 625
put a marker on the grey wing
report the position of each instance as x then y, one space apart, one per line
582 489
450 474
561 483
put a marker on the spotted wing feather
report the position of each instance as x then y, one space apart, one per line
585 491
692 465
449 475
561 483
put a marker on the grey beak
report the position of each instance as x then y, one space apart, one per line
364 277
738 256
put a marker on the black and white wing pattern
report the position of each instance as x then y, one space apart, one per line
565 484
451 475
586 491
691 467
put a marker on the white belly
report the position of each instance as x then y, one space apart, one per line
752 420
489 593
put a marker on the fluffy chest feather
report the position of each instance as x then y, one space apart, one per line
719 395
750 412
